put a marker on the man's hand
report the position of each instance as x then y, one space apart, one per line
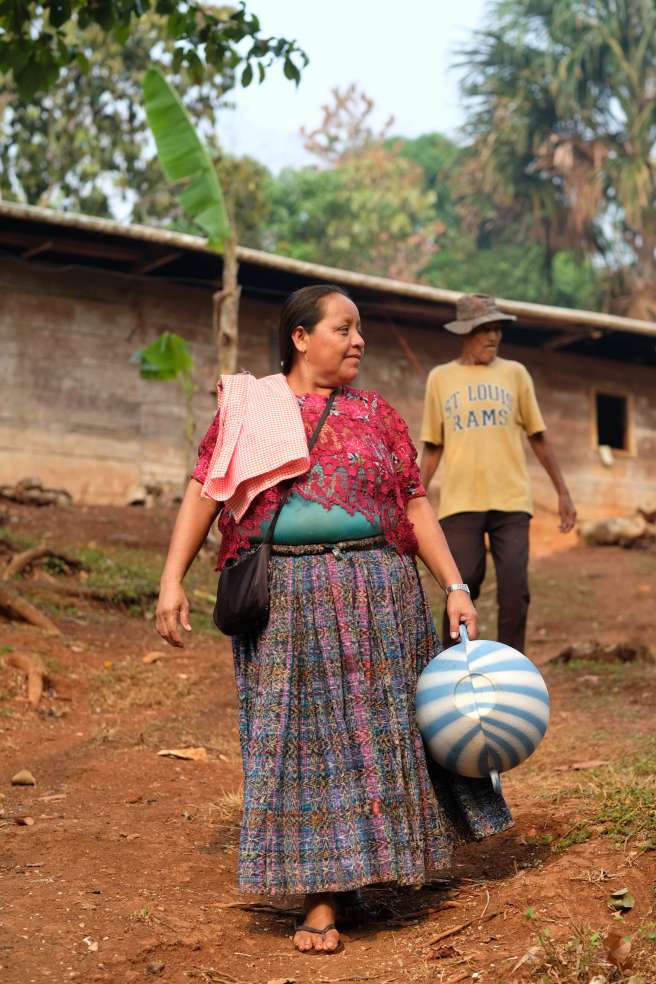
544 453
567 512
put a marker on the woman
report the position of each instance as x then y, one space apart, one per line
337 791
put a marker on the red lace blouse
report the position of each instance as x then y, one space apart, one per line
363 461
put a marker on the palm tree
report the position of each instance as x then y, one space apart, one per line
562 99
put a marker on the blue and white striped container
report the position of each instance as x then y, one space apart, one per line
482 708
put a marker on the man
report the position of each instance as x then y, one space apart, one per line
476 408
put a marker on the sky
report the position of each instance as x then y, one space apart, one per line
398 51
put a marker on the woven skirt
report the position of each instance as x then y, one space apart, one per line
338 792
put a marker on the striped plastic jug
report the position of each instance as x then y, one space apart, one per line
482 708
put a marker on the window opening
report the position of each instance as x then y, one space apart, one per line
612 421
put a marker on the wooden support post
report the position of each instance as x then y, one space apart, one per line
226 311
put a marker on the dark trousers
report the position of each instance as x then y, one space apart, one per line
508 533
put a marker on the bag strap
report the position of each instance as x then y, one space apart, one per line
313 440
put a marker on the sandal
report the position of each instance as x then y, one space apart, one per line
317 932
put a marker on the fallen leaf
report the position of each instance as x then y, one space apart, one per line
155 967
193 754
23 778
153 656
621 900
282 980
531 956
24 821
92 944
618 949
130 837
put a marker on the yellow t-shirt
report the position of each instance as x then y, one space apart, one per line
478 413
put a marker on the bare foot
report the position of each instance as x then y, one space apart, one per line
315 934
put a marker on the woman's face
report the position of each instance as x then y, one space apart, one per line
334 348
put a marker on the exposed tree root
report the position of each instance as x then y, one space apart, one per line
18 608
21 561
34 669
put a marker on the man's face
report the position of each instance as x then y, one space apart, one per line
482 344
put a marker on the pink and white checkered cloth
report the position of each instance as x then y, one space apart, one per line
261 440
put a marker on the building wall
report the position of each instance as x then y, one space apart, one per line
76 415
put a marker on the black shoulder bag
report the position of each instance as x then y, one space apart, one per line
242 596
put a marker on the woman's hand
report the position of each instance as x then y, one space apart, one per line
172 607
460 608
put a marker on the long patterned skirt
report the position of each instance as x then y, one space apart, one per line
338 792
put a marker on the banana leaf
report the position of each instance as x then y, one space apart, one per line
165 358
184 158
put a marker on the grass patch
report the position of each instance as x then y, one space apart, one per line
203 622
166 732
583 957
126 578
228 806
16 540
143 915
129 684
575 960
129 577
617 801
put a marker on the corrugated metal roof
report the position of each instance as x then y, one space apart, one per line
547 316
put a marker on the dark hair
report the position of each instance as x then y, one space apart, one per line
305 308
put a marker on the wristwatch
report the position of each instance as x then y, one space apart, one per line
456 587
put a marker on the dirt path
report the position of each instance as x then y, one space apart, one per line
128 871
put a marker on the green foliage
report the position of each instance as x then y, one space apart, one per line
246 186
85 145
185 159
563 122
397 207
439 159
371 213
168 357
38 41
515 270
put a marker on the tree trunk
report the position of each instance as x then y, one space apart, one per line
642 277
226 311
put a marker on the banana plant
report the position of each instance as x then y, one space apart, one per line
186 162
168 357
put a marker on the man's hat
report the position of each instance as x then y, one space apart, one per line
474 310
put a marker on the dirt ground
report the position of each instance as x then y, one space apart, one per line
127 870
